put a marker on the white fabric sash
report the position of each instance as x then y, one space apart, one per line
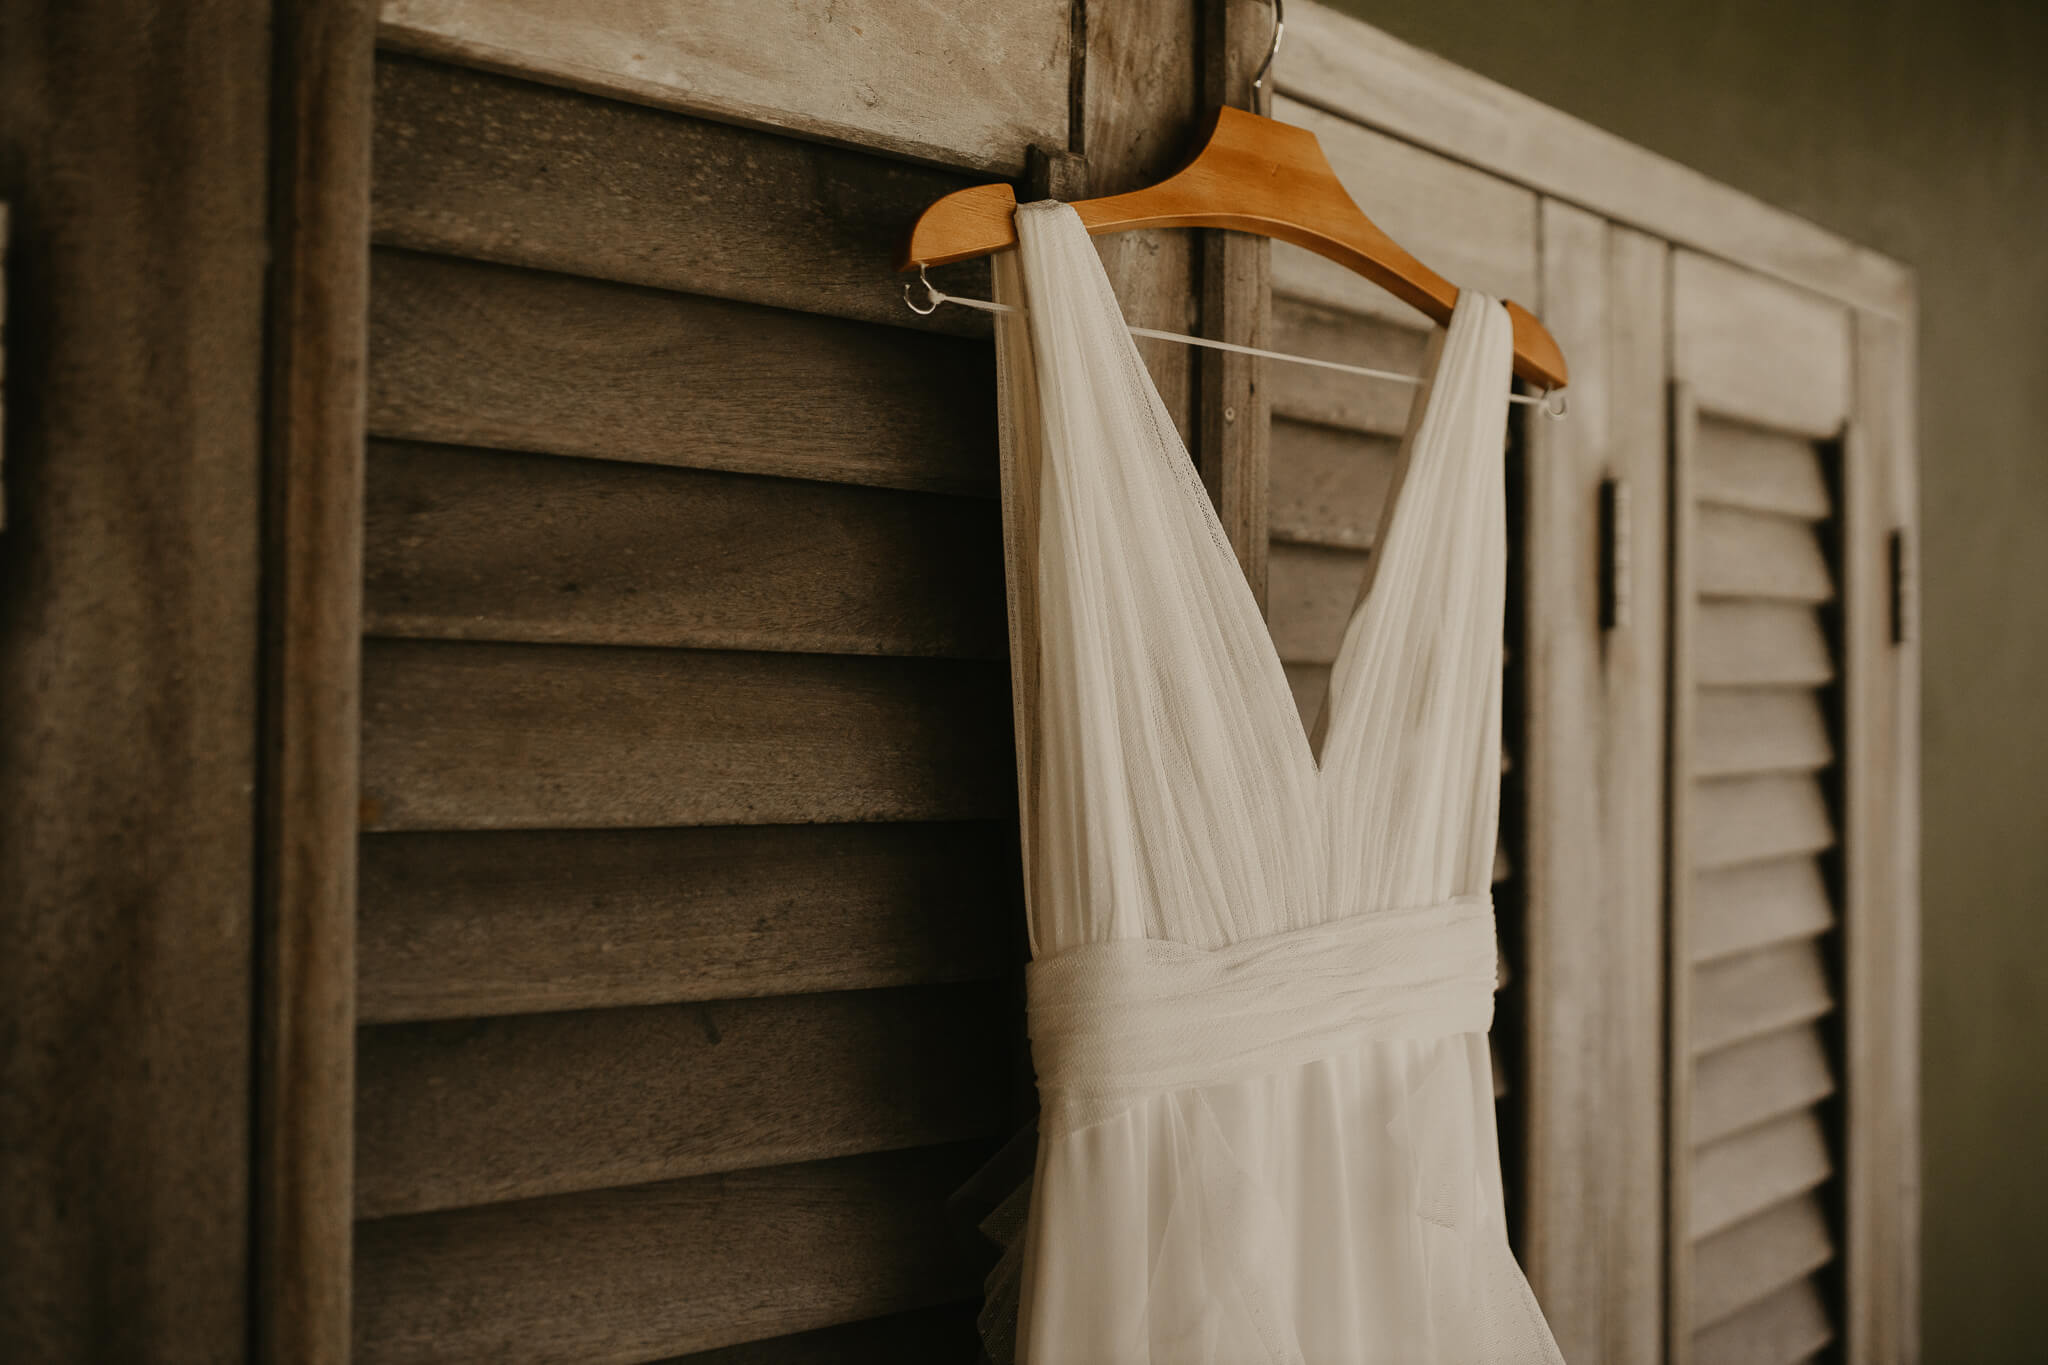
1114 1020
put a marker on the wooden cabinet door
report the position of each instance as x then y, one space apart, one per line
1786 1017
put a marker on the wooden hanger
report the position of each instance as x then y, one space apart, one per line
1252 174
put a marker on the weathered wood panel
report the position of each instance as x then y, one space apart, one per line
470 545
1750 819
1772 558
476 736
306 914
1467 225
136 141
944 1333
1755 1259
478 165
475 1112
1761 470
1798 382
1788 1327
1760 644
1740 1176
965 88
1332 398
1750 1083
1750 731
1328 485
618 1276
1758 993
1313 592
1738 908
458 925
473 354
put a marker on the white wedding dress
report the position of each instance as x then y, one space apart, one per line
1261 980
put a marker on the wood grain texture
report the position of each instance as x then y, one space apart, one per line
470 736
1139 100
1789 1326
1760 470
136 143
459 925
1476 230
982 87
1328 485
1758 993
1739 908
476 1112
1751 1083
1881 867
1752 819
1760 644
1738 1177
472 545
1797 381
627 1275
1753 1260
1351 68
483 166
946 1332
1308 393
1743 554
1313 592
1762 730
313 605
472 354
1589 765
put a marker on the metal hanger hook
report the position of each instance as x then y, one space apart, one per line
1279 26
932 299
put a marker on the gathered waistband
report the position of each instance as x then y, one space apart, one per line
1111 1021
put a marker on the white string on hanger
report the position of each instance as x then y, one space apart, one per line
1550 404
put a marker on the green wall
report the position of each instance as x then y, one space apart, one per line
1921 129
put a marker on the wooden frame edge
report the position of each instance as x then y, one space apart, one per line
323 79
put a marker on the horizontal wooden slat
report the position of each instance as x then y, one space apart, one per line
1758 730
1736 909
980 89
1783 1329
1749 819
1751 1083
1757 555
482 736
1758 993
1760 644
472 164
617 1276
483 1111
457 925
1755 349
946 1332
1469 226
1755 1259
1737 465
471 354
1331 398
1328 485
475 545
1310 594
1739 1177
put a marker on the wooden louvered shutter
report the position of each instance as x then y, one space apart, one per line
1335 436
688 915
1782 962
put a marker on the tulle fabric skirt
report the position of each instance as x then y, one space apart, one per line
1346 1211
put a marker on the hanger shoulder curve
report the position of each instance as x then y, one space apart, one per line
1252 174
